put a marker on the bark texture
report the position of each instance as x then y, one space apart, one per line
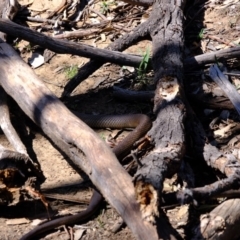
167 133
222 223
63 46
74 137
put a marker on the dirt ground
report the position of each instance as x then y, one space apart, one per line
94 96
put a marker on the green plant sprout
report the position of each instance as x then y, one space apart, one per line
142 69
71 71
102 136
201 34
105 6
29 48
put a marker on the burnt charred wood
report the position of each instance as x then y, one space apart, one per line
214 189
140 2
74 138
226 134
212 226
233 193
62 46
8 10
188 196
167 133
196 195
207 58
226 163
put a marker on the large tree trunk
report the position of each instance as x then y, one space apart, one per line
74 138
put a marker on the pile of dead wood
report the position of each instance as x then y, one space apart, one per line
138 201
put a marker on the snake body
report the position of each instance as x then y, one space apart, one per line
141 124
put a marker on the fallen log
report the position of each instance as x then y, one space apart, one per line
63 46
226 163
74 138
212 57
222 223
167 133
18 173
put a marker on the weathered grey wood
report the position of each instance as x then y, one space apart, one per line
232 93
222 223
213 57
75 138
7 127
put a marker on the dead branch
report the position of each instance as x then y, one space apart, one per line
74 138
222 223
78 33
139 2
231 92
7 127
17 170
213 57
62 46
199 60
167 133
223 162
200 194
202 99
